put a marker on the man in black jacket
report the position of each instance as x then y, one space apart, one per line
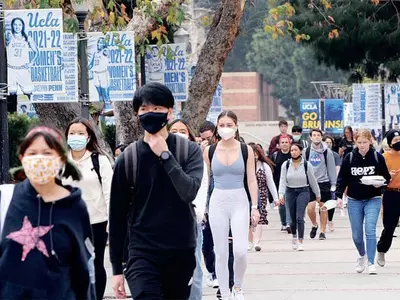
162 223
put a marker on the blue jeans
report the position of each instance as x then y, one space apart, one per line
284 215
368 210
197 285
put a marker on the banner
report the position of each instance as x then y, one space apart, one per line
348 114
25 108
167 65
34 42
111 65
392 105
216 105
70 66
367 105
310 114
334 116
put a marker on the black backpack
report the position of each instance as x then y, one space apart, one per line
245 155
96 165
131 158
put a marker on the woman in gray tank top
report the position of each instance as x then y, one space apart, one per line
229 203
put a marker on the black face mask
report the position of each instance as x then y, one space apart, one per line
153 122
296 158
396 147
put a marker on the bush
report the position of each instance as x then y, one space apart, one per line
18 126
109 132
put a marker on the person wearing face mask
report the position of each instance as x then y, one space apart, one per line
181 128
96 172
235 184
297 133
46 249
323 163
390 201
297 179
364 201
158 205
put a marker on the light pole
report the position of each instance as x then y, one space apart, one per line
181 36
4 143
81 11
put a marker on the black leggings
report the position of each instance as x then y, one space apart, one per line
99 243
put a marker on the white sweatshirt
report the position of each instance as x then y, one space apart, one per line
201 197
95 195
270 181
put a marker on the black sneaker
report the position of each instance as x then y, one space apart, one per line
322 236
313 232
219 294
289 230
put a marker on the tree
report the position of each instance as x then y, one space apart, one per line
363 36
290 67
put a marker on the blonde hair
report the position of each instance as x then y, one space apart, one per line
363 133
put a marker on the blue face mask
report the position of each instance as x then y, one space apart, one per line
77 142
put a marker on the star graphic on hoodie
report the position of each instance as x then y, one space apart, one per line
29 238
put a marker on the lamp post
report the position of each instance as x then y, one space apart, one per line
81 11
4 143
181 36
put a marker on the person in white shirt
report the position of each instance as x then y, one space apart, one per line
266 183
97 173
180 127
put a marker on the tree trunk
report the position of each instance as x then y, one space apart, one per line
128 129
219 42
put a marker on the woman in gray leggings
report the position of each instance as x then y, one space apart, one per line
297 176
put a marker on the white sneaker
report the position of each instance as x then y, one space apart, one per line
209 280
250 246
215 283
294 244
372 270
381 259
331 226
361 264
237 294
300 247
257 247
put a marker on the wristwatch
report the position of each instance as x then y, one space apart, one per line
165 155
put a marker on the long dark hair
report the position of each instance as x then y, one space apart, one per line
93 144
55 141
230 114
261 155
23 28
191 135
349 128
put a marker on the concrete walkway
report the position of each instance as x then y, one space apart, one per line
324 271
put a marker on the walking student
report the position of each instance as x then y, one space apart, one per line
46 249
323 163
155 182
364 201
96 170
297 179
235 184
391 196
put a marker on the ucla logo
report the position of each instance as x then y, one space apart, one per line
310 106
49 21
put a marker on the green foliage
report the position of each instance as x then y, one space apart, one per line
109 132
18 126
290 67
349 35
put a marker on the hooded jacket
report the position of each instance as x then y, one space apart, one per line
323 171
350 175
46 251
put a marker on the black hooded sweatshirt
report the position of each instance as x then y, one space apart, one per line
59 264
350 175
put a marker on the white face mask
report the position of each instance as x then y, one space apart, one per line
226 133
296 138
316 140
182 135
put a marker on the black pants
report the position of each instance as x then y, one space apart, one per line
331 212
208 249
160 275
99 242
391 213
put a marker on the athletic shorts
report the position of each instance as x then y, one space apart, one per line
325 188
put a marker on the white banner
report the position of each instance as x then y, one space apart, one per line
367 105
392 105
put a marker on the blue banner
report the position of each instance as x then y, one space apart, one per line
310 114
111 65
167 65
34 41
334 115
216 105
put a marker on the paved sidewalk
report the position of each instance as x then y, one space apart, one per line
324 271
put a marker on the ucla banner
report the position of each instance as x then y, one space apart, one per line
334 116
167 65
310 114
111 65
392 105
216 105
367 105
34 41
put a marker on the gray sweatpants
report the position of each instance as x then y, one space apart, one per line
297 200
